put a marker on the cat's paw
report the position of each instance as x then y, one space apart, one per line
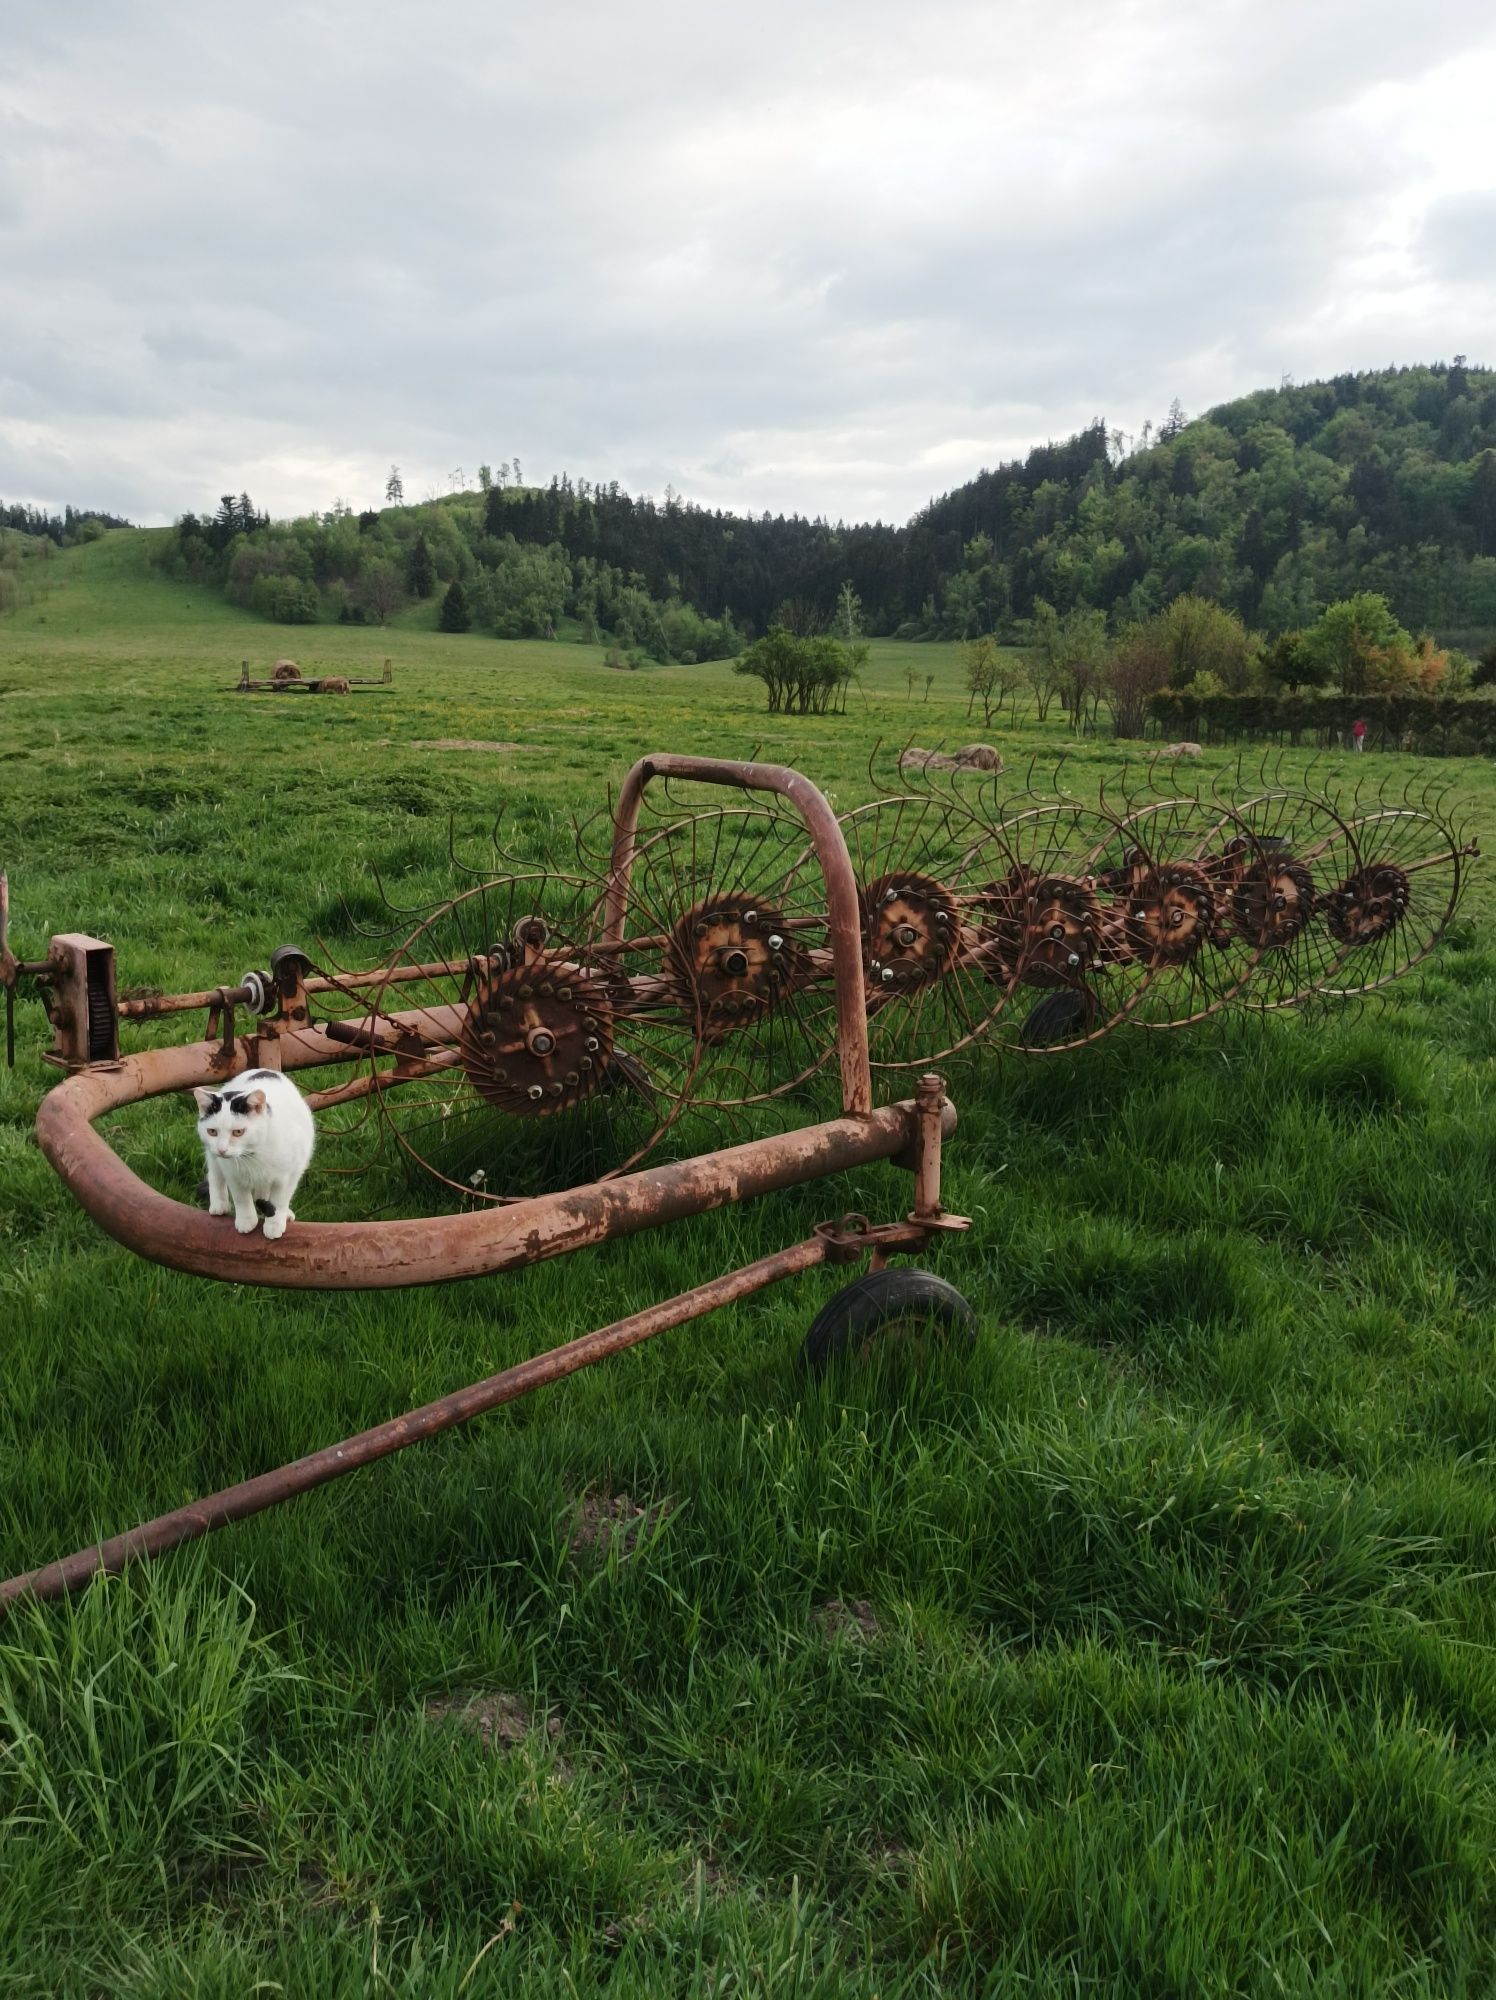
220 1208
275 1225
247 1224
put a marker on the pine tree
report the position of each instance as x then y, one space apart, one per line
420 570
455 614
394 488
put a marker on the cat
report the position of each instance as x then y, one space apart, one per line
258 1135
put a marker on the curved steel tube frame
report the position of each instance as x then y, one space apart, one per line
431 1250
843 906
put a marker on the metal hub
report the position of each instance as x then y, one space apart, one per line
1045 930
1369 904
538 1036
1272 902
731 961
911 932
1062 932
1169 914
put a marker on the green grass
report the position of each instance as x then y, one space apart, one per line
1181 1677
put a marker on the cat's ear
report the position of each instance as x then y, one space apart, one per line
208 1102
253 1100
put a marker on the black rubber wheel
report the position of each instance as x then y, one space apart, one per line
882 1305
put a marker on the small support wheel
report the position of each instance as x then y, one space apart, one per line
886 1304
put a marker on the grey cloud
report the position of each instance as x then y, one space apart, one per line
1459 236
788 257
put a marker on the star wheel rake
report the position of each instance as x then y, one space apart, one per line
505 1056
919 860
718 944
525 1043
1036 925
1388 910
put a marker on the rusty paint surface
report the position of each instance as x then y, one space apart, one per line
843 903
424 1250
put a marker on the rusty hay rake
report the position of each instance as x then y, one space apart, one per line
548 1050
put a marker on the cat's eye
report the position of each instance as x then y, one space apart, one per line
211 1130
237 1131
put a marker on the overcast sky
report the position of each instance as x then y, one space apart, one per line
818 255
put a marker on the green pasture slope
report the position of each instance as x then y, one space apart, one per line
1172 1669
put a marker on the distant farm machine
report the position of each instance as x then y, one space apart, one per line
286 677
566 1051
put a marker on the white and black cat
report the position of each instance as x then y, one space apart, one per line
258 1135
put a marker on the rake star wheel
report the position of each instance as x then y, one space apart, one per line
1043 925
1387 910
1272 900
503 1057
1168 914
919 860
1369 905
1061 937
716 944
731 961
911 933
537 1036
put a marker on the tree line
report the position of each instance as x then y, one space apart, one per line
365 568
1274 506
72 525
1195 665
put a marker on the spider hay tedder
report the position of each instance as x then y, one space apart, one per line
553 1056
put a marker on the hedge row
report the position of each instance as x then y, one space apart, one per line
1457 725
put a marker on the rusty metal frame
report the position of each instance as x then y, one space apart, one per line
433 1250
843 903
425 1250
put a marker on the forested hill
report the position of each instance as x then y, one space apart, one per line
1274 505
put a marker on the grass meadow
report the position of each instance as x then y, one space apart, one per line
1164 1663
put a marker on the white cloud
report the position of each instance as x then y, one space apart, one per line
822 257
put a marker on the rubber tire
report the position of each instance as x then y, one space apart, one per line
848 1323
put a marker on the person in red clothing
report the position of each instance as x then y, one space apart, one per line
1358 734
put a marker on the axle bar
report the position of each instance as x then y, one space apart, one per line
253 1496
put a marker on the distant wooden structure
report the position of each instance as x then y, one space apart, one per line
287 678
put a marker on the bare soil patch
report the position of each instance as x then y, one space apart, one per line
499 1721
615 1520
851 1619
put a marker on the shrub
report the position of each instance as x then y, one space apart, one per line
455 616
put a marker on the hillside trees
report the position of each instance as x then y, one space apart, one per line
1271 507
70 526
420 570
380 589
1066 654
1358 646
992 675
1136 671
